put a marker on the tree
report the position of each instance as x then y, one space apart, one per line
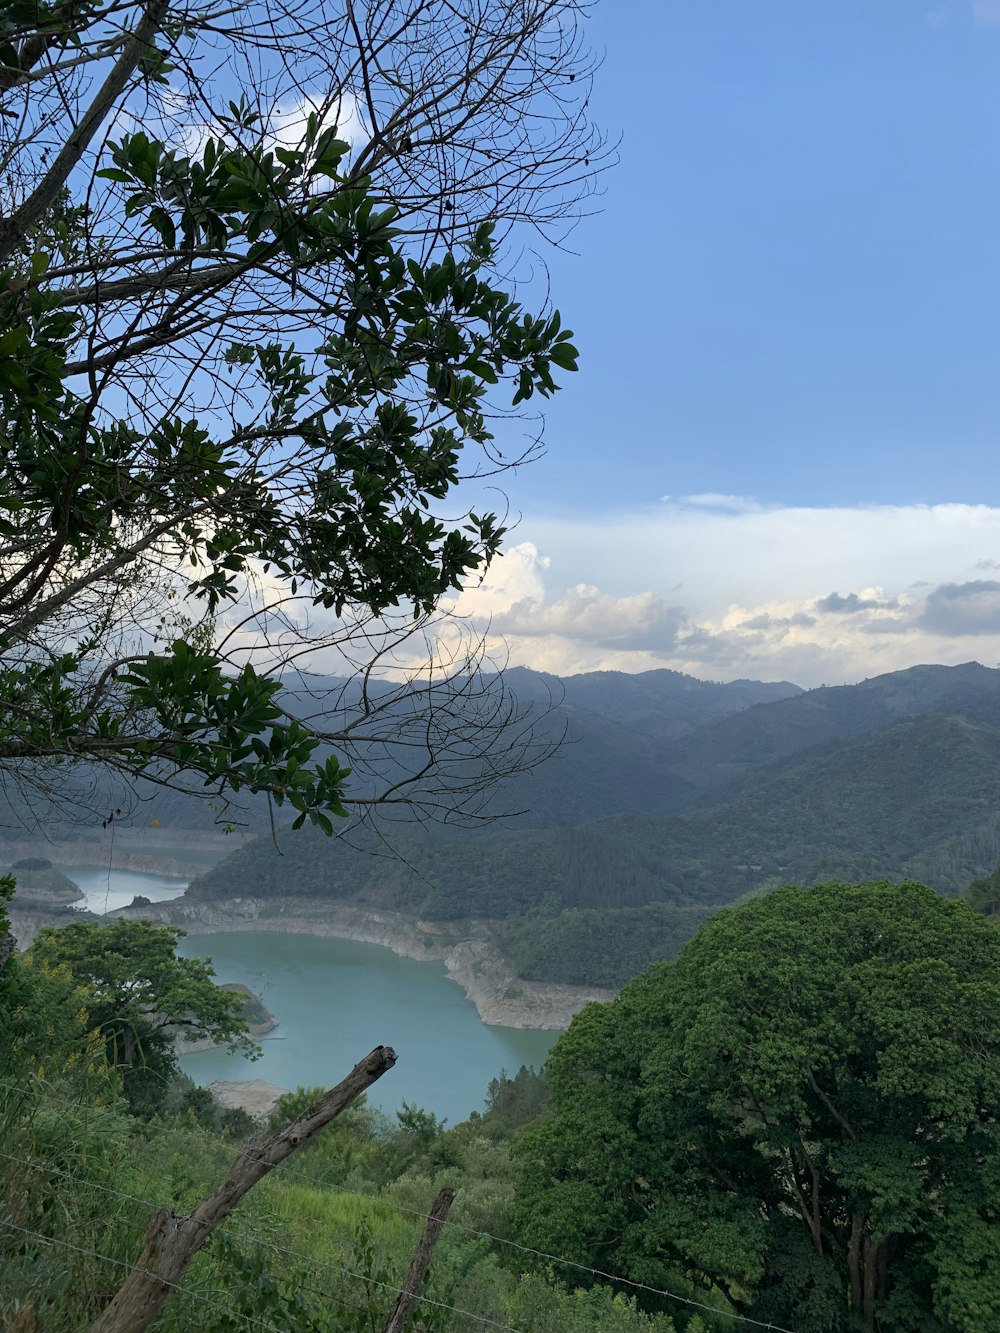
983 895
140 996
253 300
799 1113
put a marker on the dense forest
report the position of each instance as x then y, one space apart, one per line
898 776
655 1180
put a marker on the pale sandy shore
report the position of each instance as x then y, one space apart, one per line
254 1095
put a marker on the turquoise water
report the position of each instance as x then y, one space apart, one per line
104 891
336 999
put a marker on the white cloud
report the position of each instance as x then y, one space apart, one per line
584 612
740 504
282 126
517 576
288 120
807 594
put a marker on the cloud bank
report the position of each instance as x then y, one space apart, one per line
725 588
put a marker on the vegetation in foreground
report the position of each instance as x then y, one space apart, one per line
322 1244
800 1112
795 1121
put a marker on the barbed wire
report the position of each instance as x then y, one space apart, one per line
555 1258
324 1264
378 1201
310 1260
123 1263
52 1170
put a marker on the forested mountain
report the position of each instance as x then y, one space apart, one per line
896 777
761 736
620 735
612 738
668 798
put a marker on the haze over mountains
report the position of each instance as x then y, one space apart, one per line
668 798
672 797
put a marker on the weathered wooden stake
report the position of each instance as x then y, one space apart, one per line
172 1241
414 1278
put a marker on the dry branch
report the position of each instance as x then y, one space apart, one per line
172 1241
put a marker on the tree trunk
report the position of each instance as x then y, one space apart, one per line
854 1260
172 1241
871 1268
414 1278
882 1285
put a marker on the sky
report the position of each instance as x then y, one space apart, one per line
780 456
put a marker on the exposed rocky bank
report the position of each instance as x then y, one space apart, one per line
254 1095
471 960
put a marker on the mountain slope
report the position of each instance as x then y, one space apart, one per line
770 732
614 735
918 795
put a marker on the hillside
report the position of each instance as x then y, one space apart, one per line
620 736
876 807
725 753
898 776
613 736
40 886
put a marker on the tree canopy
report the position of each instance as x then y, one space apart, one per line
140 996
799 1113
983 895
255 311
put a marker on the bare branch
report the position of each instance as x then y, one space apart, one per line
172 1241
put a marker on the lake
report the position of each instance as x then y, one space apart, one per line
337 999
105 890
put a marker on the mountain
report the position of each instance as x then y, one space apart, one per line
759 736
612 735
897 776
617 735
667 798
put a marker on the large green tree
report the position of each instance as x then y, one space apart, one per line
140 996
256 319
801 1113
983 895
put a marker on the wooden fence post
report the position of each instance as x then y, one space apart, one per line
172 1241
414 1278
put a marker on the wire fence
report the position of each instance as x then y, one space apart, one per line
317 1264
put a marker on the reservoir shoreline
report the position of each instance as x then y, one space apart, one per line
143 857
471 960
466 949
351 978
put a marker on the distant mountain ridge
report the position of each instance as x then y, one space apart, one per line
753 738
896 776
615 726
621 733
670 798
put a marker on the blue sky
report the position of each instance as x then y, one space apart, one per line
793 290
791 298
